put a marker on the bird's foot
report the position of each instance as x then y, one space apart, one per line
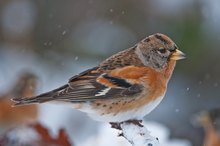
116 125
135 122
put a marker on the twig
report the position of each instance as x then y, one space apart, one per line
135 132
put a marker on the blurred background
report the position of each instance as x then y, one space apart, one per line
57 39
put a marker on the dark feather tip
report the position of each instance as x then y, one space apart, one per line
16 99
21 101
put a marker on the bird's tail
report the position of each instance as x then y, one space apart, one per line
25 101
45 97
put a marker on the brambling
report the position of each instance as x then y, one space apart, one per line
127 85
25 86
210 121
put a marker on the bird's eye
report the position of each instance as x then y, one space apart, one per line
162 50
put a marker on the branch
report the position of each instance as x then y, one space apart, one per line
136 133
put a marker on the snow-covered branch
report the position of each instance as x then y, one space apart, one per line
136 134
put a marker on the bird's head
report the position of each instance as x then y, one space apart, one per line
158 50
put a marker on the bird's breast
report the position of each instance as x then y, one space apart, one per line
122 110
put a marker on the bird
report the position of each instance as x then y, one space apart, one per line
24 86
210 121
128 85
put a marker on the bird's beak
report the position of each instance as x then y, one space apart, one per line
177 55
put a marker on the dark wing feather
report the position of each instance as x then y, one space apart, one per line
84 87
89 71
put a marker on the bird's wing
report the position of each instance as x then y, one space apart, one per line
88 86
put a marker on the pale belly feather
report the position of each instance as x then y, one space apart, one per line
122 116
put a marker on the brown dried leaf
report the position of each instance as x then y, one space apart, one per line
61 140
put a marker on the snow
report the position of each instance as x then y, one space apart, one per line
111 10
138 136
64 32
23 135
76 58
109 137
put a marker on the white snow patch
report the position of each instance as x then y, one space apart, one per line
109 137
23 135
138 136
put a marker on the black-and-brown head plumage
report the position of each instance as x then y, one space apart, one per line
157 50
154 51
